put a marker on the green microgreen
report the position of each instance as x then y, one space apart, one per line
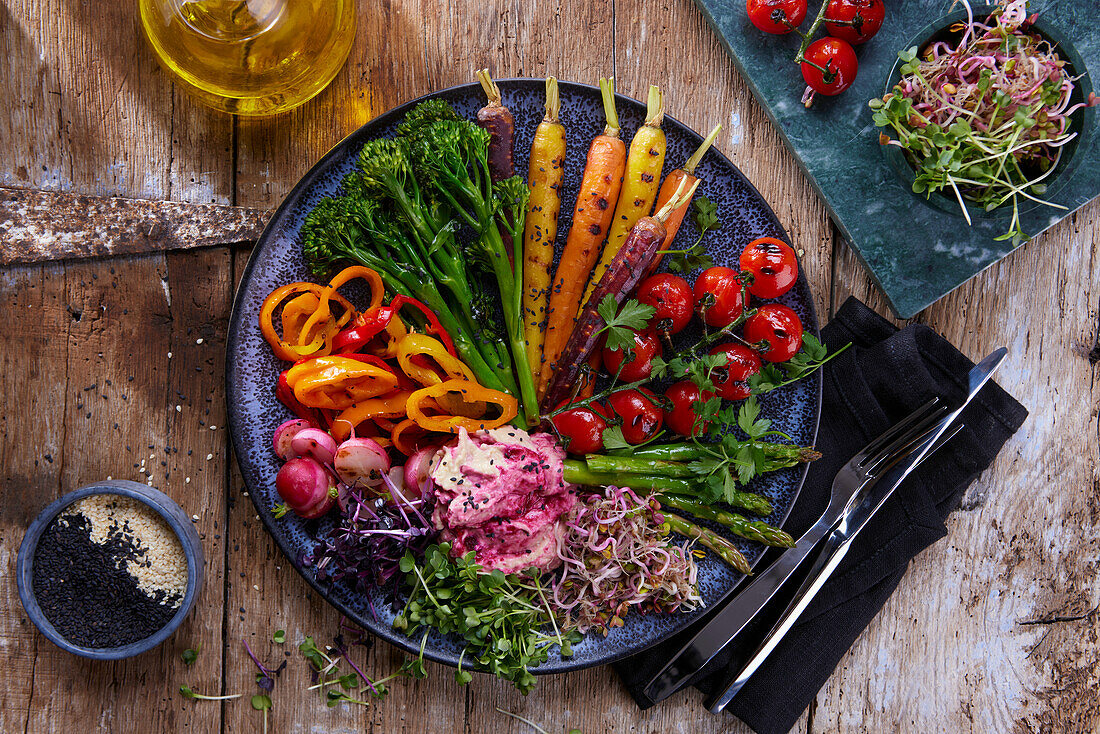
188 692
191 654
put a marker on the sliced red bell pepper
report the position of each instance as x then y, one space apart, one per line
286 397
365 327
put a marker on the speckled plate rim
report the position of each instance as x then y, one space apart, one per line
338 152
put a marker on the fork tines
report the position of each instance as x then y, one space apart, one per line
892 444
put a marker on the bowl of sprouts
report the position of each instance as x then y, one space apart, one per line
984 111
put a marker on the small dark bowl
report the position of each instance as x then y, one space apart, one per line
1080 123
176 518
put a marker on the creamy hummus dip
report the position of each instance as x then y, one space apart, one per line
501 494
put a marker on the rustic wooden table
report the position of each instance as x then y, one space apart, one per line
994 629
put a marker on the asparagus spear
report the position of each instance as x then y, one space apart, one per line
579 472
726 550
756 530
777 452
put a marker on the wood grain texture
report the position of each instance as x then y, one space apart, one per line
994 629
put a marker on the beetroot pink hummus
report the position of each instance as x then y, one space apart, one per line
501 494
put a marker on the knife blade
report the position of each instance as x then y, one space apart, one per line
40 226
859 513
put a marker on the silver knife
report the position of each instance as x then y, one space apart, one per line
836 546
751 598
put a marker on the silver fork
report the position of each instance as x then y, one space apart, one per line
875 458
858 512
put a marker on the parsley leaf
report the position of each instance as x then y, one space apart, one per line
613 439
695 257
621 323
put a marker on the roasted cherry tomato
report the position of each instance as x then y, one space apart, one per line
837 58
583 428
719 298
680 415
773 266
638 358
671 296
777 326
641 415
859 19
776 16
730 381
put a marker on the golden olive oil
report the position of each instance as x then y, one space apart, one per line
250 57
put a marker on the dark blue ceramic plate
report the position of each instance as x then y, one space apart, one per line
252 370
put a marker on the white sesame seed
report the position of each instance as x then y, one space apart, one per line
187 480
256 587
213 428
209 457
199 340
178 409
194 517
169 355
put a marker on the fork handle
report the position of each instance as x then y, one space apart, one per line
832 553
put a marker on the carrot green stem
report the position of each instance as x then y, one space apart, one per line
553 100
678 200
607 94
655 107
492 91
697 156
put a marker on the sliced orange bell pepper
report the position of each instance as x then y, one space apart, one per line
302 335
390 405
467 392
337 382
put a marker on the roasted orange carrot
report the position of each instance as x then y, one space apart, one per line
627 268
672 182
643 175
603 176
544 177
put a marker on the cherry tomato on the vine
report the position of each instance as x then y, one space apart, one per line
837 58
859 19
639 358
773 265
776 16
583 427
671 296
777 326
641 416
731 381
719 298
680 415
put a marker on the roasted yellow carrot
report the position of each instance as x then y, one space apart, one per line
672 182
603 176
643 175
544 177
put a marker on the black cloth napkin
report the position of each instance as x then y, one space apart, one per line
883 377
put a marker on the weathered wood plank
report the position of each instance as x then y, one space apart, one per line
962 645
86 111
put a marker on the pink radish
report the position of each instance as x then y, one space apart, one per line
314 443
417 470
284 434
306 486
361 462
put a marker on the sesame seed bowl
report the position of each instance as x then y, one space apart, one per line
110 570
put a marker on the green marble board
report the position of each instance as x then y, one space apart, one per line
916 249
